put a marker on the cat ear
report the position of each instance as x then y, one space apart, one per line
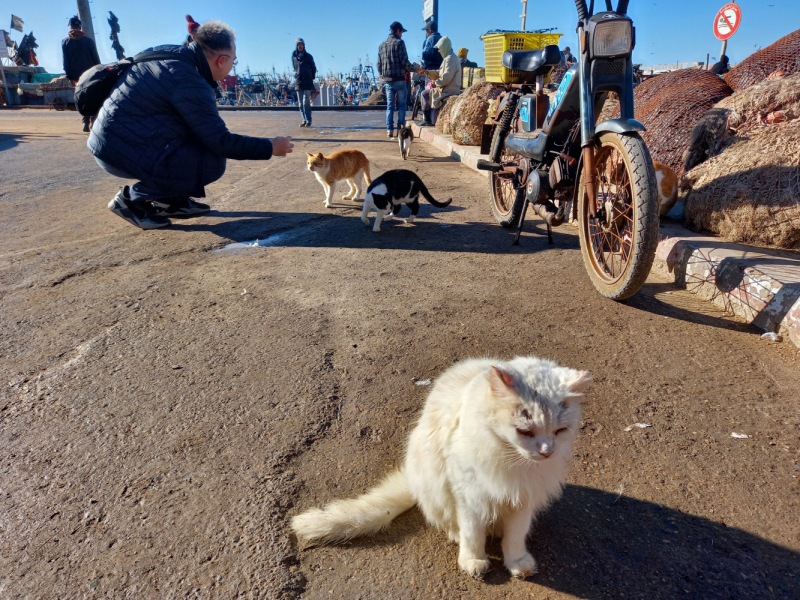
578 381
319 154
309 153
500 381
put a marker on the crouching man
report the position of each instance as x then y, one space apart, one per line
160 126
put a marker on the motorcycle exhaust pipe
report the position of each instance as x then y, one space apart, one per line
549 213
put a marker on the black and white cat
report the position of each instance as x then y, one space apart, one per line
405 136
387 194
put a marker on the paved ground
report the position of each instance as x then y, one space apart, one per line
159 424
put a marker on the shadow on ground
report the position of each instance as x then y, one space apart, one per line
429 233
697 311
598 545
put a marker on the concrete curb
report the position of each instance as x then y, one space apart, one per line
758 285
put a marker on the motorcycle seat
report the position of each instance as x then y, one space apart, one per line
532 61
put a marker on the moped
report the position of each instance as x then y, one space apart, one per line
603 172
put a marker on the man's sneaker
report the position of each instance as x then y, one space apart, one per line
86 128
180 207
390 134
303 124
140 214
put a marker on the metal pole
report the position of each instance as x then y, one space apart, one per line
85 15
524 14
5 85
725 42
436 14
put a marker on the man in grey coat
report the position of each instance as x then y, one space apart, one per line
304 72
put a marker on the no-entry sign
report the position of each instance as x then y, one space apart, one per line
727 21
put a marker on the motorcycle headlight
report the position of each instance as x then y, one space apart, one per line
612 38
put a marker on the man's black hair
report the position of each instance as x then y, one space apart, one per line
75 21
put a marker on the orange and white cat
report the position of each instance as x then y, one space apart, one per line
348 165
667 183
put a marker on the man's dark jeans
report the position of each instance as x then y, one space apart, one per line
156 186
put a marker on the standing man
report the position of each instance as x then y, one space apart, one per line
80 55
431 59
569 58
161 126
304 72
393 64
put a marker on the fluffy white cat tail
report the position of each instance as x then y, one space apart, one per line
343 520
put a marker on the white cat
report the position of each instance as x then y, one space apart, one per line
490 451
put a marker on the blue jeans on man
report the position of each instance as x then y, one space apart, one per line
395 89
304 99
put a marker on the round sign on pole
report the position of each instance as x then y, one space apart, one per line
727 21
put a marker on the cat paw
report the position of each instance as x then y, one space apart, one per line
521 567
365 221
475 567
376 229
328 205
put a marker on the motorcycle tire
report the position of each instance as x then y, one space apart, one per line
507 203
618 252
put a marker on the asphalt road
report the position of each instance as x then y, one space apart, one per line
167 405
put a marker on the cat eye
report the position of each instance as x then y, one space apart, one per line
525 433
560 430
525 414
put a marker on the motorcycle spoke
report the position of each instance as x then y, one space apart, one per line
612 241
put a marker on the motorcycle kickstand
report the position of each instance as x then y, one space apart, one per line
550 241
521 221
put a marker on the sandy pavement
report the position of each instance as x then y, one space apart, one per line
167 404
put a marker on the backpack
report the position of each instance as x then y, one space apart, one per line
96 84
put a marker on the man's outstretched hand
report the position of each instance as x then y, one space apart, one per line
281 146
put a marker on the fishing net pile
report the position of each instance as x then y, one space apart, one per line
771 102
669 105
443 120
782 56
744 182
468 113
376 98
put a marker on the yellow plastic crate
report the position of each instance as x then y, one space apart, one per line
471 76
494 44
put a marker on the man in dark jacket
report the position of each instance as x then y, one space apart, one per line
80 54
304 72
160 125
431 59
393 64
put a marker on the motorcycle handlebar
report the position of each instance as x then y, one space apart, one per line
583 13
622 7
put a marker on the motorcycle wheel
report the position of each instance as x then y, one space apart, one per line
507 203
618 251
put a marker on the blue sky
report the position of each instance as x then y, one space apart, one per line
339 32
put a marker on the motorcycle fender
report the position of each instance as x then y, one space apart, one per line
619 126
